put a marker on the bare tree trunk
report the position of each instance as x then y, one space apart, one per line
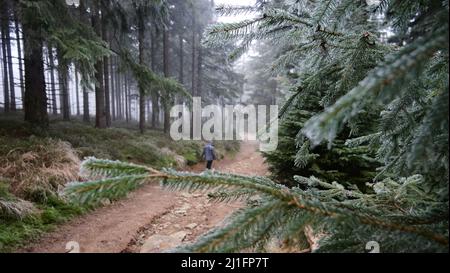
155 95
86 113
100 112
52 78
106 75
1 66
4 28
128 94
5 77
35 104
107 91
194 48
199 71
167 99
181 65
126 99
63 70
77 91
12 89
113 89
19 54
119 90
141 34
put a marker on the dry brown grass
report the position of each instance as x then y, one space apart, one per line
17 208
46 165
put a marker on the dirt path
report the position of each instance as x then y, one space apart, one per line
151 219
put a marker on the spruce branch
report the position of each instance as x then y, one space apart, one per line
274 198
227 10
386 77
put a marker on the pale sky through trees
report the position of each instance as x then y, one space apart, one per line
240 64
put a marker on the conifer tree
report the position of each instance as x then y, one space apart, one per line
390 100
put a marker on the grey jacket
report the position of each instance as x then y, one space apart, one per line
208 153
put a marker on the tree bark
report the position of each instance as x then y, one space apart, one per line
52 79
86 114
1 66
126 98
106 75
119 89
100 112
63 72
12 88
35 104
113 89
194 48
19 54
199 71
129 101
77 91
141 37
8 56
4 28
155 95
167 100
181 75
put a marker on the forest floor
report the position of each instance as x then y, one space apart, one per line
151 219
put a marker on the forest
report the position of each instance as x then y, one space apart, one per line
88 162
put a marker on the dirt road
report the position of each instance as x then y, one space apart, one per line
150 219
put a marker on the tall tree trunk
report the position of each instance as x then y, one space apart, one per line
141 37
193 66
126 99
6 39
86 114
19 54
107 91
199 71
106 75
52 79
35 104
5 78
155 95
181 67
155 109
100 112
63 72
119 89
181 75
1 66
4 28
12 88
167 98
113 89
129 101
194 49
77 91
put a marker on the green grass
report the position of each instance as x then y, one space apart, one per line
17 233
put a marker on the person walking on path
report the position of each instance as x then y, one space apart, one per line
209 155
